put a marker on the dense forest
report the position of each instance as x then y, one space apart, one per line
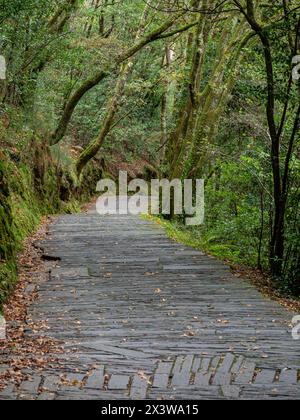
161 88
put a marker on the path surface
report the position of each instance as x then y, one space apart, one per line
155 319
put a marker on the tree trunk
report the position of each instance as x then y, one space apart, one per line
114 103
113 106
96 79
164 105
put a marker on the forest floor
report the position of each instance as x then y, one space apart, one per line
111 308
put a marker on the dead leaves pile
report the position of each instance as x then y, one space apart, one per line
19 351
265 285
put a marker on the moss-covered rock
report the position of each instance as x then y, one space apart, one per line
31 186
19 215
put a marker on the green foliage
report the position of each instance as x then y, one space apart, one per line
19 215
24 199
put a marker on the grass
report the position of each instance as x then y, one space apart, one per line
197 238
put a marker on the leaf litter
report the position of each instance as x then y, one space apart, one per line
21 351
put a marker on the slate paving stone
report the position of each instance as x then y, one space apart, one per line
182 372
246 373
46 396
51 383
237 365
265 376
223 375
135 304
26 397
30 289
118 382
231 392
222 378
96 379
196 364
9 393
31 386
3 369
288 376
161 380
139 388
202 379
164 368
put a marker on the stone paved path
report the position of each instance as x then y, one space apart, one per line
155 319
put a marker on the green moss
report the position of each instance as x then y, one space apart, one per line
196 238
19 216
25 217
30 189
8 279
71 207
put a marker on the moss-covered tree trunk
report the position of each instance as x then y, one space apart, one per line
114 103
113 106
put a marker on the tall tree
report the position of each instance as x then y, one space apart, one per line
280 159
